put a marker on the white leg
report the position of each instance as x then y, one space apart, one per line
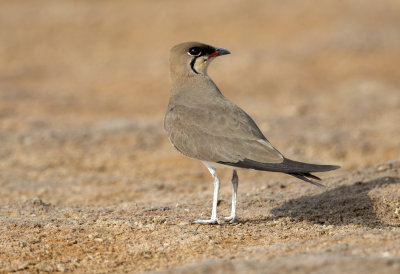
213 219
235 184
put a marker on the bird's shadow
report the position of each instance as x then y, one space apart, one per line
343 205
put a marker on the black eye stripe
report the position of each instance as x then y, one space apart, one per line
200 51
195 51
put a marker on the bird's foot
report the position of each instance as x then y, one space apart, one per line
231 219
211 221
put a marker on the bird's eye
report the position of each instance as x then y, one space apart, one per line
195 51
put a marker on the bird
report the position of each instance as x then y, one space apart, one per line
203 124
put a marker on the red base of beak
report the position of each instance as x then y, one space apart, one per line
214 54
219 52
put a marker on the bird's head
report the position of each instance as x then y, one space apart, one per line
192 58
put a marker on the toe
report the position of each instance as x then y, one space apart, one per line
230 218
206 222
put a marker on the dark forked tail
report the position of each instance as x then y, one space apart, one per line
303 176
297 169
302 170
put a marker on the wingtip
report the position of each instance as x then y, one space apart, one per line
334 167
301 167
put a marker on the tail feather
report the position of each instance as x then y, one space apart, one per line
309 175
304 178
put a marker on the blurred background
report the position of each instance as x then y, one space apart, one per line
84 86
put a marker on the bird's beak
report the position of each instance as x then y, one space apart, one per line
219 52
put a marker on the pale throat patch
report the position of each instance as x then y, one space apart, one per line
201 64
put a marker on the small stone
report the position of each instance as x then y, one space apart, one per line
383 167
60 267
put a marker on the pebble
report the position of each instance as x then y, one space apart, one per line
60 267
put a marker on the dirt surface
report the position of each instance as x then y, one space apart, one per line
90 183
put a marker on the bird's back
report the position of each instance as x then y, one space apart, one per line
203 124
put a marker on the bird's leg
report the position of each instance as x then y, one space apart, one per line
235 184
213 219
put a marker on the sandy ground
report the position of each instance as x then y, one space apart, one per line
90 183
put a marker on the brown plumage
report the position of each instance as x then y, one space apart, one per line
202 124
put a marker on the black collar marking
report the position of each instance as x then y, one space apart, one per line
192 64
